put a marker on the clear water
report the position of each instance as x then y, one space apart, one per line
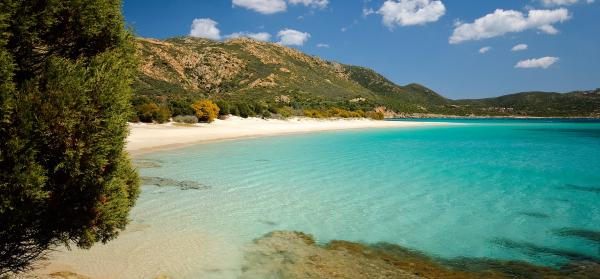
448 191
499 189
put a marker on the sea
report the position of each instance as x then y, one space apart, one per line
505 189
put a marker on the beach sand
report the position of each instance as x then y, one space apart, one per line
146 138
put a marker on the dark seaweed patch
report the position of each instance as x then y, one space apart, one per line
535 250
267 222
590 235
167 182
534 214
591 189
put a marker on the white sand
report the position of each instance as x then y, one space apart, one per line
151 137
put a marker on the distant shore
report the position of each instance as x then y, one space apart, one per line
435 116
146 138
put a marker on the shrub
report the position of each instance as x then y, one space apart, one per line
206 110
376 115
224 107
151 112
189 119
313 113
266 114
181 106
244 110
146 112
286 112
163 114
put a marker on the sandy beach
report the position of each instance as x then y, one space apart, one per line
146 138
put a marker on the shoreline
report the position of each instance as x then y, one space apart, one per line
146 138
469 117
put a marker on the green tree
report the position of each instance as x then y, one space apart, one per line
206 110
65 74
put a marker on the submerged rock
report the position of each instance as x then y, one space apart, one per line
167 182
146 163
296 255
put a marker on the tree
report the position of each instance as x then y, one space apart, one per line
65 74
206 110
152 112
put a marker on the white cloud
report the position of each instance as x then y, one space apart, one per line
290 37
543 62
562 2
311 3
205 28
321 45
411 12
262 6
506 21
261 36
367 12
520 47
485 49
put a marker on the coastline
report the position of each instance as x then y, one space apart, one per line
146 138
436 116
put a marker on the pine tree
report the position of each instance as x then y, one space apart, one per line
65 74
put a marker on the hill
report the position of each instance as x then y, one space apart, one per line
247 77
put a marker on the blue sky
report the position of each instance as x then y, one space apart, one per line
460 49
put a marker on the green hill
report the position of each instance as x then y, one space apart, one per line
574 104
258 77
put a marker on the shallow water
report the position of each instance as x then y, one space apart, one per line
501 189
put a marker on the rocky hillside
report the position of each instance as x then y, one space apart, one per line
248 71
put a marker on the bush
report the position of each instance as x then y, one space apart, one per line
376 115
151 112
181 106
314 113
244 110
224 107
266 114
206 110
286 112
189 119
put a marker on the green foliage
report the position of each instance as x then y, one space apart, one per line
244 110
206 110
286 112
189 119
338 113
224 107
151 112
181 106
375 115
65 74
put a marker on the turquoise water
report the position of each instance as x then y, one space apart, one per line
502 189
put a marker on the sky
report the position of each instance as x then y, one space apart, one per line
459 48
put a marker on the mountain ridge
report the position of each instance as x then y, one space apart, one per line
272 76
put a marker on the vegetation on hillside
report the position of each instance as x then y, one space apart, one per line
249 78
65 73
